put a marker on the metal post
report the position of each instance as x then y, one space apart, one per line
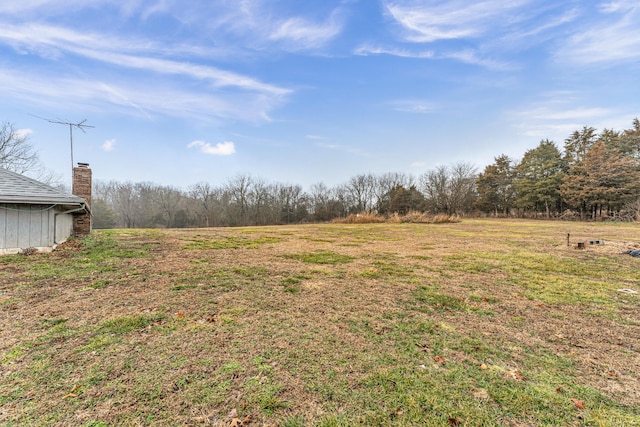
71 139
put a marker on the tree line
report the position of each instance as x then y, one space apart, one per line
595 176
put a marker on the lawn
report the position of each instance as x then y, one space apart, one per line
477 323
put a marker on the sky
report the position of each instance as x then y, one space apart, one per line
301 92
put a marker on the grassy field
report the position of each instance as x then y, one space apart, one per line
478 323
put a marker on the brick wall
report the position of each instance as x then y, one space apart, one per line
82 188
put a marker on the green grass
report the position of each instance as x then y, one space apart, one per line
428 299
230 242
130 328
126 324
321 257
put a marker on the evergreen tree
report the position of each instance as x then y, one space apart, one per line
495 186
578 145
102 215
605 181
538 179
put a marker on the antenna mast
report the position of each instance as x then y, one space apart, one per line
80 125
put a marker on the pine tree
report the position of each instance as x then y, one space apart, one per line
495 186
538 178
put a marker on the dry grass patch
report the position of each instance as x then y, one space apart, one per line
478 323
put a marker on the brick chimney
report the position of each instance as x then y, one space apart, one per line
82 188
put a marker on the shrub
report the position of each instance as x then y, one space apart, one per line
361 218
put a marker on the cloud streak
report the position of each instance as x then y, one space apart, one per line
413 106
430 21
54 40
299 33
614 39
129 96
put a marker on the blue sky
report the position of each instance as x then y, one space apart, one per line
310 91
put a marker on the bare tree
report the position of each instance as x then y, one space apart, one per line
450 189
361 189
16 152
237 190
260 204
386 183
292 203
167 203
205 197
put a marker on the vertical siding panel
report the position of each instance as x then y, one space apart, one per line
64 225
3 227
12 227
50 227
35 226
24 226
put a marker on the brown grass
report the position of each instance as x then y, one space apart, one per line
412 217
483 322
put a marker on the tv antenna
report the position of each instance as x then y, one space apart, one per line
80 125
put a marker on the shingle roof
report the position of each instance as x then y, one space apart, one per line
16 188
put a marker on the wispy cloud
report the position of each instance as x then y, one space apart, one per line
23 133
299 33
468 56
483 33
458 19
202 90
51 41
342 148
557 115
226 148
413 106
366 50
546 113
129 96
618 6
109 145
614 39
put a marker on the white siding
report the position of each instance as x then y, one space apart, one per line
32 226
64 228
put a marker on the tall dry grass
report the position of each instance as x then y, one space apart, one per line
414 217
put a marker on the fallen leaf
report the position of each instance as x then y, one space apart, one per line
517 375
439 359
180 314
235 422
559 390
454 422
579 403
480 393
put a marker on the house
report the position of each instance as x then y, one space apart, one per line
36 215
